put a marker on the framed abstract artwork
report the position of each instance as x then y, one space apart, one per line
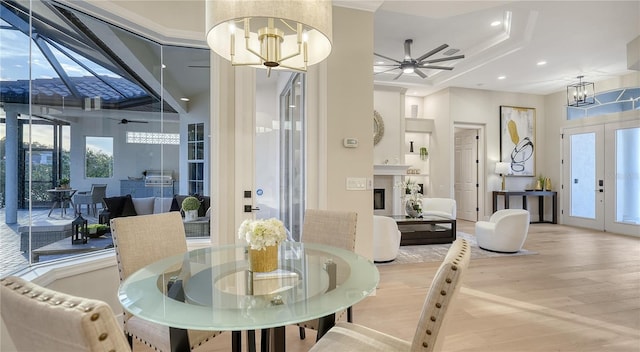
518 139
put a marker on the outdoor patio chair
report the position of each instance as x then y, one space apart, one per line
90 198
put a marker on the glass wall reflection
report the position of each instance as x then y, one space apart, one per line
77 114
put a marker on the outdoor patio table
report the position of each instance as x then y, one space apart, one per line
61 197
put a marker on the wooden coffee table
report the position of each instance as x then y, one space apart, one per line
430 229
64 246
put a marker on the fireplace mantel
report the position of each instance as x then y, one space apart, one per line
390 170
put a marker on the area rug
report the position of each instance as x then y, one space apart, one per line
437 252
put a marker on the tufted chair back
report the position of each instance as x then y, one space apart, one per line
444 288
40 319
330 227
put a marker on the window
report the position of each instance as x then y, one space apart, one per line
153 138
99 157
195 157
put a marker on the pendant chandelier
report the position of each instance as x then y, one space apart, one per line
581 93
271 34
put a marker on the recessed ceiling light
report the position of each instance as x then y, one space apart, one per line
184 99
502 77
540 63
495 23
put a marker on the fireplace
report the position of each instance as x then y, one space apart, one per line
378 199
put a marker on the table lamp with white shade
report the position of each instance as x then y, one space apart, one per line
503 169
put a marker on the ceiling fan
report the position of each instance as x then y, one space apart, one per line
125 121
411 65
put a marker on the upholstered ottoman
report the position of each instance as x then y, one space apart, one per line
42 234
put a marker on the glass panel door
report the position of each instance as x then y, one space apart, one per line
622 177
601 182
584 177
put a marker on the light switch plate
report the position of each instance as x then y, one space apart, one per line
356 183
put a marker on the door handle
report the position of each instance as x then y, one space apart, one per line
249 208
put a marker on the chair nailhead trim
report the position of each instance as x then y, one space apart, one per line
433 318
425 345
95 316
448 280
454 268
428 332
103 336
443 292
17 287
25 291
438 305
88 309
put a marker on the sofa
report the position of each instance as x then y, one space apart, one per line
121 206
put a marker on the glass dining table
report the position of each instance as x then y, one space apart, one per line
213 288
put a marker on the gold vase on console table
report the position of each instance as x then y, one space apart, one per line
547 184
263 260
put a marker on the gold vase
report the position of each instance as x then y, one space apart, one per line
547 184
263 260
538 185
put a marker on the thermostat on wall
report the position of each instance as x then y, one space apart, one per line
350 142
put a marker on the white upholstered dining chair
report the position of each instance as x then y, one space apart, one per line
139 241
330 227
41 319
444 287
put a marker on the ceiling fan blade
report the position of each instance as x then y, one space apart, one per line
432 52
391 69
398 76
125 121
448 68
407 49
420 73
441 59
385 65
386 57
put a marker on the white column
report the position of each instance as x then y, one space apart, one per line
11 168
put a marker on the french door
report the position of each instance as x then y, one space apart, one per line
270 147
600 182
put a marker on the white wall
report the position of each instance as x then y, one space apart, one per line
349 110
388 102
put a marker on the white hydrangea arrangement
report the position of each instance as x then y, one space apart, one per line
262 233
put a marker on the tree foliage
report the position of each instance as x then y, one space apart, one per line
98 164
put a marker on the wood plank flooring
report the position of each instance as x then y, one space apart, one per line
580 293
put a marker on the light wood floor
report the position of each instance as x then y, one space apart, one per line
580 293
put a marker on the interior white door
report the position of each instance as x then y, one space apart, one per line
583 180
466 174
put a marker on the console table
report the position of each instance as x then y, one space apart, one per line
524 195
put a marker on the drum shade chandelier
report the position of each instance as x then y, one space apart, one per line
581 93
273 34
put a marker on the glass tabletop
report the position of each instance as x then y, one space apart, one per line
217 290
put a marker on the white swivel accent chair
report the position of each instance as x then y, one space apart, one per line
445 207
386 239
505 231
